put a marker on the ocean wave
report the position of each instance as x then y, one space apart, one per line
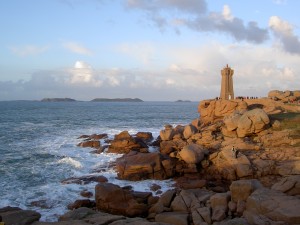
70 161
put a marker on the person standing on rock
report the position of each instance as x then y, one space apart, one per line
234 151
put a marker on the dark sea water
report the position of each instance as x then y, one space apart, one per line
38 147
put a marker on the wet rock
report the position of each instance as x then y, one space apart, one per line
124 143
86 194
146 136
82 203
84 180
89 144
155 187
14 215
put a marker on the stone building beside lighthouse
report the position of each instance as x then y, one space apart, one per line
227 83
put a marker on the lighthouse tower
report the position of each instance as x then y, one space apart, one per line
227 83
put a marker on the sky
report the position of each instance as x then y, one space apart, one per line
156 50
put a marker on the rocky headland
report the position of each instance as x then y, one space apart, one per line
238 163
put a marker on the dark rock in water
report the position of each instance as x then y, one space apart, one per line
155 187
145 136
82 203
124 143
14 215
84 180
41 204
84 136
58 100
89 144
117 100
93 136
86 194
100 149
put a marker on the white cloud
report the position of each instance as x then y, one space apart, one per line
28 50
227 13
192 73
77 48
83 74
284 32
280 26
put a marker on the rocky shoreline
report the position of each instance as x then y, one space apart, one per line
239 163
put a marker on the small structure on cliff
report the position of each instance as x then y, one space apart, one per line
227 83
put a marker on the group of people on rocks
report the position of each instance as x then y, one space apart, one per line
239 97
247 97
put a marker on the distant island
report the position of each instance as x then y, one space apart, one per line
58 100
117 100
183 101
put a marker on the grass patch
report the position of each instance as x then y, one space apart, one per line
288 121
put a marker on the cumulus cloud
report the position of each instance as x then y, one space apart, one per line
28 50
285 34
82 74
77 48
193 14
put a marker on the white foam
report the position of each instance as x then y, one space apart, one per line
69 160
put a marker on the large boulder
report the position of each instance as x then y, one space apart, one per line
284 96
242 189
141 166
224 165
124 143
174 218
289 185
219 205
231 122
15 215
145 136
168 133
113 199
211 110
192 153
265 206
85 216
252 122
189 130
89 144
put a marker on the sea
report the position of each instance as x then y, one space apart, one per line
38 147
